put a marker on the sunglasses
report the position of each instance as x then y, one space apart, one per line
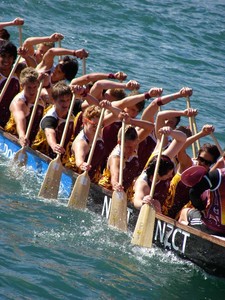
204 161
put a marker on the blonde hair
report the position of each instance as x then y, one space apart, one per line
119 94
91 112
28 75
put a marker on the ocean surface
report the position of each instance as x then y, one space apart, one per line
48 251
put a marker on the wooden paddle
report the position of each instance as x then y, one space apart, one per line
193 127
20 156
143 232
50 186
217 143
84 66
118 209
9 78
20 35
60 46
79 194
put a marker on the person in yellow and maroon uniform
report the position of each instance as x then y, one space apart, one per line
22 105
178 195
52 124
110 177
82 144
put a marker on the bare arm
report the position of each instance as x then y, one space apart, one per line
81 91
169 114
152 109
141 189
133 100
101 85
93 77
51 139
31 41
81 149
15 22
144 128
114 167
177 143
18 109
48 58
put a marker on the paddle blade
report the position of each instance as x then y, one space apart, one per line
79 194
143 232
118 211
20 157
50 185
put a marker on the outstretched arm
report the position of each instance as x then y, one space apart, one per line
48 58
177 143
30 42
93 77
133 100
152 109
15 22
101 85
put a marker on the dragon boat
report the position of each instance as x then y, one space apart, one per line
204 250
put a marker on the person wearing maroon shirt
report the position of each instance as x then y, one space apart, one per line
8 54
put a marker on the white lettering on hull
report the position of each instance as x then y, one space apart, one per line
107 205
168 235
165 233
6 151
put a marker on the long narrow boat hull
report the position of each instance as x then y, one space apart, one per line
189 243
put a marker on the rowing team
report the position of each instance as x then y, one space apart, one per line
196 200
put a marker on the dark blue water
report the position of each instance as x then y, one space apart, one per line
48 251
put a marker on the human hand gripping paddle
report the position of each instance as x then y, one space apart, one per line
50 186
143 232
20 156
84 66
193 127
79 194
118 209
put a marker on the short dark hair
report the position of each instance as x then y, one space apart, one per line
178 120
69 67
4 34
60 89
130 133
8 48
140 105
165 165
211 149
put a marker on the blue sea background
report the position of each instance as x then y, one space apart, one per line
48 251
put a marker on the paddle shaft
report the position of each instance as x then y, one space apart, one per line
152 190
143 232
217 143
51 182
60 46
95 137
192 127
67 121
79 194
84 66
20 35
20 155
9 78
122 153
118 209
31 121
